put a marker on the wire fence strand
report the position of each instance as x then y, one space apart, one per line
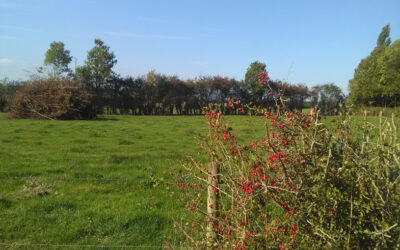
82 246
85 179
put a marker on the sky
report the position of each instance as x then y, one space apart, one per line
307 42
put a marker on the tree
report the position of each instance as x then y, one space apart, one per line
328 97
384 36
97 71
57 58
151 77
376 80
389 73
98 66
251 80
364 87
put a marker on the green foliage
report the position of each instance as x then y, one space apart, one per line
58 59
83 76
376 80
98 66
384 37
389 72
376 111
328 97
251 80
364 88
302 185
365 183
151 77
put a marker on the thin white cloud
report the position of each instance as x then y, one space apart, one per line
4 61
124 34
19 28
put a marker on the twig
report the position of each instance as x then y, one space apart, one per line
386 230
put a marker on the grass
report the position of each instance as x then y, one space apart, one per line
109 181
102 182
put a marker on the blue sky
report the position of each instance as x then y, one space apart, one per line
310 42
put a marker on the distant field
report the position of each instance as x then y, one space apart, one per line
109 180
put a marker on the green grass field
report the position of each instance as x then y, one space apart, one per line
109 181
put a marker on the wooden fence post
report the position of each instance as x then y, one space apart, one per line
212 205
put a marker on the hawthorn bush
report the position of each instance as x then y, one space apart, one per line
52 99
301 186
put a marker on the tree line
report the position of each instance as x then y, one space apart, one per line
158 94
168 95
376 82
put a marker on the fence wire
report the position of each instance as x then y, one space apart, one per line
85 179
41 246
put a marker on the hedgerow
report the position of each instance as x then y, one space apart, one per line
302 185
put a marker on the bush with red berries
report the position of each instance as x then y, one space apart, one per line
302 185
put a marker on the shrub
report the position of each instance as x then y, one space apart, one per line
301 186
52 99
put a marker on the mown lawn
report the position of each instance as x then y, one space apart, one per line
109 181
